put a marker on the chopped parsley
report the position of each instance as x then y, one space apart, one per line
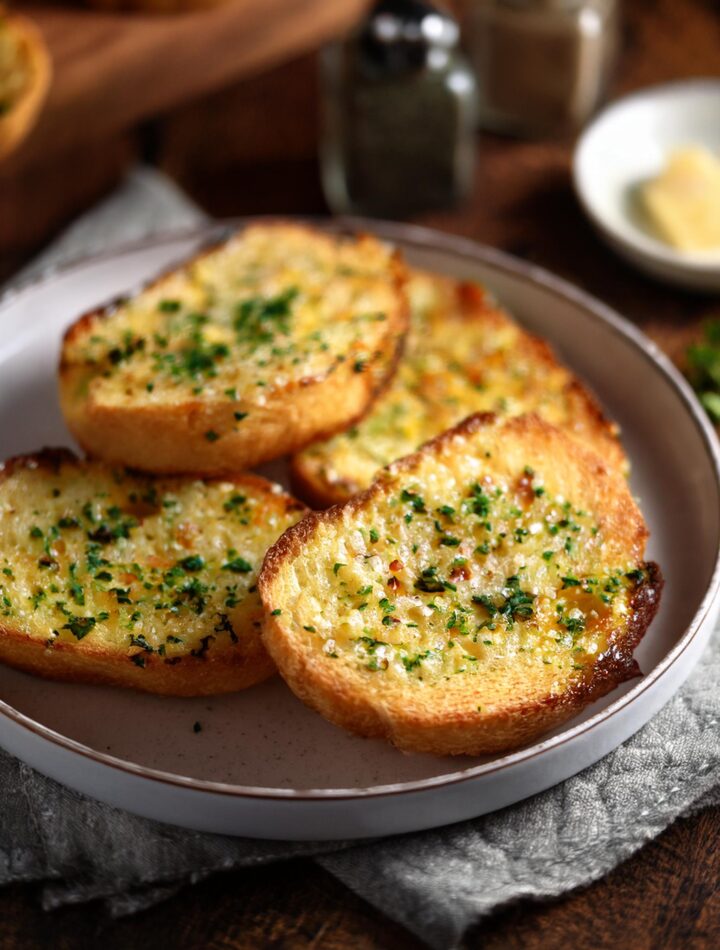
140 641
80 627
413 662
449 541
237 564
415 500
430 581
570 581
192 563
235 502
478 502
259 319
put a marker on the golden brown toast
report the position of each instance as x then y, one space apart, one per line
481 592
110 577
279 336
463 355
25 72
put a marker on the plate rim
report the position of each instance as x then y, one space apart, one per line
651 249
465 248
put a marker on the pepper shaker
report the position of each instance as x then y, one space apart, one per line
398 113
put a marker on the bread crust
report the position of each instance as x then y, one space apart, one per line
173 438
446 720
222 668
313 472
227 671
17 122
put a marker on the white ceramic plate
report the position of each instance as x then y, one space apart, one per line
630 142
264 765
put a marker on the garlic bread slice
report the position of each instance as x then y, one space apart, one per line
481 592
111 577
279 336
463 355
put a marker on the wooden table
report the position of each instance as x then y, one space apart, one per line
667 895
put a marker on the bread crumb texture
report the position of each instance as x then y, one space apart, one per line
278 336
464 354
141 578
481 591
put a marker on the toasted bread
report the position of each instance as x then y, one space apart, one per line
279 336
480 593
110 577
464 354
24 78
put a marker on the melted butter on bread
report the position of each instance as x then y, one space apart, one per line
266 309
463 355
247 352
496 578
142 576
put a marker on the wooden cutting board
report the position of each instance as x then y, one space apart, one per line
112 70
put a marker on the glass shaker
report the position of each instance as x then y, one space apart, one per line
542 66
398 114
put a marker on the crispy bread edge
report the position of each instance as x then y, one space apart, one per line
308 483
173 442
223 671
475 732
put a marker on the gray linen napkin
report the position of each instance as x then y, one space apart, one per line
436 883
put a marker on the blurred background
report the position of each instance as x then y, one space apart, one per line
291 106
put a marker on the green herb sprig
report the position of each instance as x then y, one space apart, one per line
703 368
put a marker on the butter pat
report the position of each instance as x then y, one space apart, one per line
683 202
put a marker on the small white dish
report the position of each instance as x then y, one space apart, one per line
262 764
628 143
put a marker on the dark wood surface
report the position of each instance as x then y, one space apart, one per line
665 898
667 895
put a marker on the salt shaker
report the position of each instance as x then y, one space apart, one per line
542 66
398 113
